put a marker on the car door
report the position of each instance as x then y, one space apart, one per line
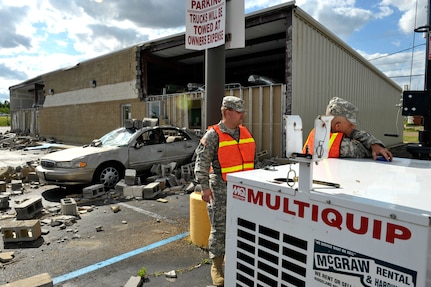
179 146
147 150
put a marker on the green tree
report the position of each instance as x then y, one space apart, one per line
5 107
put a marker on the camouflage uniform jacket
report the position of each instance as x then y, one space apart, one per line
207 156
358 145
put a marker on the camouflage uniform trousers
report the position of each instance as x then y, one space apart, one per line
217 216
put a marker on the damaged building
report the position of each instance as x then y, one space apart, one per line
291 65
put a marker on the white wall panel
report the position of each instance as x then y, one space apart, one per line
324 67
120 91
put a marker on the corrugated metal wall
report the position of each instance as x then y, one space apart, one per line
264 117
324 67
26 121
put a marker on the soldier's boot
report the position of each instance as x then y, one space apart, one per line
217 273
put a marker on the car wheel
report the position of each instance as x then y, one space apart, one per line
109 174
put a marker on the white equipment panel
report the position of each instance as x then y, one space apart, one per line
374 230
293 134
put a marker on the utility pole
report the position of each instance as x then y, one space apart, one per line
418 103
425 136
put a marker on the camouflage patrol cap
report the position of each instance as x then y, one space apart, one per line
341 107
233 103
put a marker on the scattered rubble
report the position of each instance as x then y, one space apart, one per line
115 208
24 217
31 212
18 175
171 274
22 141
5 257
25 155
26 221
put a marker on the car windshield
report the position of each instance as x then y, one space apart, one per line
119 137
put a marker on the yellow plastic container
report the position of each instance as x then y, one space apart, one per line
199 222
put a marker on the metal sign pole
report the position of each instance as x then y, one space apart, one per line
214 83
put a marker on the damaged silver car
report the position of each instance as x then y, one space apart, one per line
106 159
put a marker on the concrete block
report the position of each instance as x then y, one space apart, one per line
166 169
4 201
172 181
6 257
29 208
133 191
120 186
16 184
22 230
32 177
68 206
155 169
25 171
262 155
190 188
41 280
186 172
93 191
134 281
162 182
2 186
151 190
130 176
6 172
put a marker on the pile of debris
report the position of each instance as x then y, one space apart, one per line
165 179
15 141
26 173
28 220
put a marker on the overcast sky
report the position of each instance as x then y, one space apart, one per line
40 36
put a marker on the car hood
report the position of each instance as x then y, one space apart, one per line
77 152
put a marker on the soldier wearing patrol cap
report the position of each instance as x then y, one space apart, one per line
345 139
226 147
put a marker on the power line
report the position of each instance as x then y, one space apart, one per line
385 56
386 63
414 38
419 75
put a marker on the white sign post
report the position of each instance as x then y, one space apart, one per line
205 24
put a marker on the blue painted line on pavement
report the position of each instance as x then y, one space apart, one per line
115 259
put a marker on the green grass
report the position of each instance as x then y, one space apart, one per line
4 121
411 133
410 139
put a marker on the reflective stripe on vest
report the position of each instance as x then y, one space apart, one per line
235 156
334 144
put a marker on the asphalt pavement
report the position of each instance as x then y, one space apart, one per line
143 234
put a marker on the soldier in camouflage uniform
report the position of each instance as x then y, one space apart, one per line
210 174
352 143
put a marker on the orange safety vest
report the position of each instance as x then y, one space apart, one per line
235 156
334 144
